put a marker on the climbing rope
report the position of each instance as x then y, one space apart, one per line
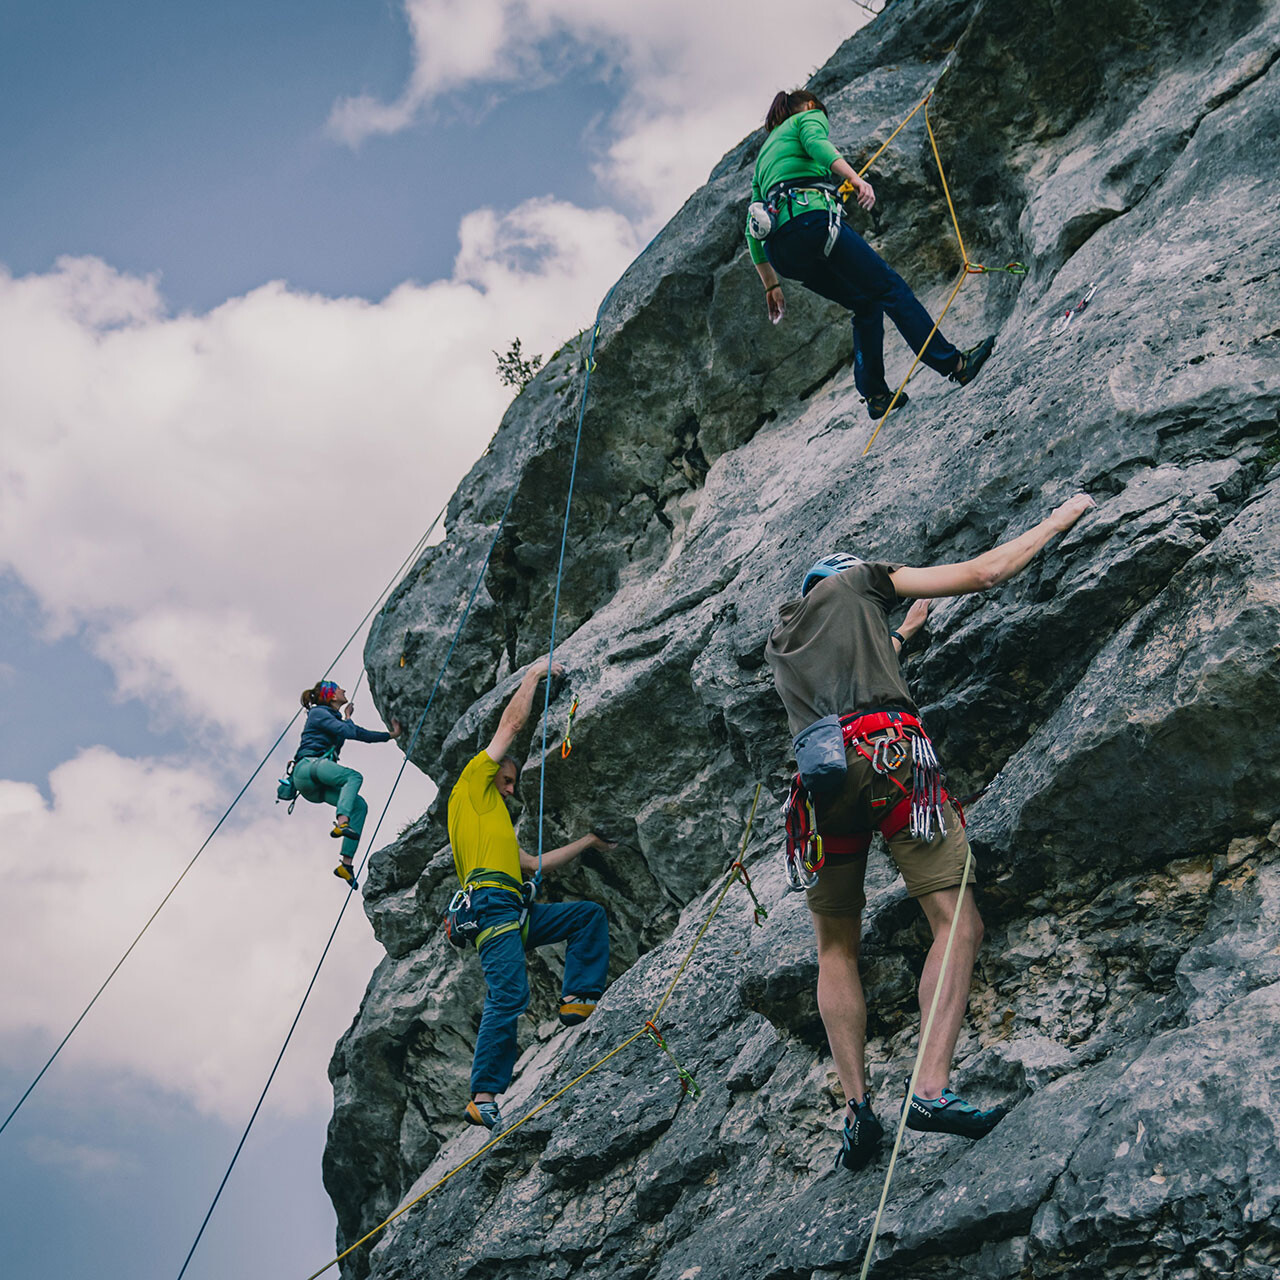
408 560
404 764
555 606
968 269
915 1070
650 1028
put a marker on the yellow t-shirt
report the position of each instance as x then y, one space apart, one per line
480 829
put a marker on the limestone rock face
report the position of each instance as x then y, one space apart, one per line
1119 702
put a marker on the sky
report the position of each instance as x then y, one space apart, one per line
255 261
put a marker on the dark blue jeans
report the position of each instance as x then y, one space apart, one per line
857 277
586 965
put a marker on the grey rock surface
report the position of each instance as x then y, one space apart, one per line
1119 702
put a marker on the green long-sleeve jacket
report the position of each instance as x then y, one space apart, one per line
797 148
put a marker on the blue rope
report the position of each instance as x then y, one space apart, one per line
555 608
404 764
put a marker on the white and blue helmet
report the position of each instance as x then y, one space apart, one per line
825 567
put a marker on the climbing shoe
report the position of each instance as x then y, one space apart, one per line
878 406
344 872
972 361
573 1010
949 1114
342 831
861 1139
485 1113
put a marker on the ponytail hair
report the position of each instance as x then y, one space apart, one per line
320 692
788 102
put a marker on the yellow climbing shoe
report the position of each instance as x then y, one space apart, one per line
485 1113
573 1011
344 872
342 831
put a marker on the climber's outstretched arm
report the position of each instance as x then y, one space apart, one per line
992 567
516 712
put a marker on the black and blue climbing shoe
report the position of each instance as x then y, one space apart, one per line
344 872
878 406
861 1138
485 1113
949 1114
971 361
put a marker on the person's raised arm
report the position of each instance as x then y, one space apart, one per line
992 567
516 712
560 857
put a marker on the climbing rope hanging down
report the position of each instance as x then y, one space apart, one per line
404 764
968 269
915 1070
408 560
650 1029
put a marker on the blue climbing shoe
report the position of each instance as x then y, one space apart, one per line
949 1114
861 1139
344 872
972 361
485 1113
878 406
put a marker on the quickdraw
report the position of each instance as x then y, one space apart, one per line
884 739
567 745
688 1085
761 915
1071 312
1013 268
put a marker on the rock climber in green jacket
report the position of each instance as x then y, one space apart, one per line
797 176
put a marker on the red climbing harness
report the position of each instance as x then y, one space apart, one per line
886 740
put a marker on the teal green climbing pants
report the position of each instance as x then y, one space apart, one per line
327 782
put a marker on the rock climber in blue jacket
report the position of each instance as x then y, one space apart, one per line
319 777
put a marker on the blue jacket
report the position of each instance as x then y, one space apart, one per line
325 731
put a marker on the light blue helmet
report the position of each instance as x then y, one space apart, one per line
825 567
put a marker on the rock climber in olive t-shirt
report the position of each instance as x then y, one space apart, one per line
490 865
832 653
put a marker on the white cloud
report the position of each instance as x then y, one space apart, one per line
695 77
203 1004
79 1157
215 496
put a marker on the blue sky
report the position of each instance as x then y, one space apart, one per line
253 263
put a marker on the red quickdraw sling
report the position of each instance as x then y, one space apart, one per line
886 740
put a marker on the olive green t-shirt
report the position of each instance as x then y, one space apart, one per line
831 653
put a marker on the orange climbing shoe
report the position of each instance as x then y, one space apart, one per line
573 1010
485 1113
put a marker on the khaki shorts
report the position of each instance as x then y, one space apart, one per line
865 801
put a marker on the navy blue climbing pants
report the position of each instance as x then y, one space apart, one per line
857 277
322 781
586 965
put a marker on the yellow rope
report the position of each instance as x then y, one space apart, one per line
965 271
915 1070
933 142
595 1066
964 275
